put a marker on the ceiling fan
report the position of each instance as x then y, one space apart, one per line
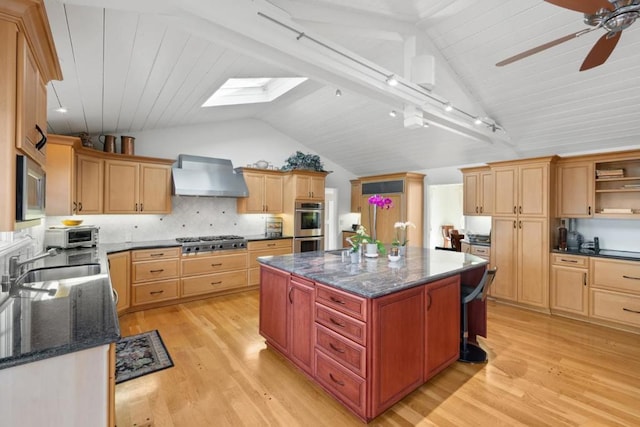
611 15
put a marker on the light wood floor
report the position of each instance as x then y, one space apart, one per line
542 371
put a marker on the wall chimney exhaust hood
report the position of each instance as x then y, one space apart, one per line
205 176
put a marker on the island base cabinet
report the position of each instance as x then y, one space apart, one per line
442 343
273 307
398 352
347 387
301 301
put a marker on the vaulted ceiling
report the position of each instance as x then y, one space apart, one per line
130 66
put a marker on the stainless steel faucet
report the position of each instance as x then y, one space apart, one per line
15 268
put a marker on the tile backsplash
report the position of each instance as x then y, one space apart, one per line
190 217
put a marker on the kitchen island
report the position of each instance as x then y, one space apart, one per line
370 332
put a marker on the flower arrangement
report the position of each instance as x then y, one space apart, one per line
377 201
401 233
362 238
299 160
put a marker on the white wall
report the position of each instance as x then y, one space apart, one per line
444 206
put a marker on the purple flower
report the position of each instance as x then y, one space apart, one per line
381 202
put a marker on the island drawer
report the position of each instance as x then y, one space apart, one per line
346 352
154 292
342 383
151 254
155 270
616 307
196 265
570 260
341 324
342 301
213 282
616 274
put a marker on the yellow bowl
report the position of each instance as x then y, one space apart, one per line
72 222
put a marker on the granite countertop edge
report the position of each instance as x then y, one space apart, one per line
633 256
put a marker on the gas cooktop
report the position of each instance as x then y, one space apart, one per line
192 245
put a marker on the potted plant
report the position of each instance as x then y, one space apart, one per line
299 160
401 240
360 239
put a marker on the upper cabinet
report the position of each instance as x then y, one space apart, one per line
265 191
617 186
28 61
61 176
89 185
356 192
307 185
136 187
574 189
478 191
522 187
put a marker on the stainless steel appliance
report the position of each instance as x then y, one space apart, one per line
308 220
81 236
30 189
308 227
194 245
308 244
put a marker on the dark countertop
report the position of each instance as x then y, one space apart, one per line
488 244
602 253
257 237
81 315
375 277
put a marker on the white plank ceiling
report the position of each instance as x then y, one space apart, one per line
133 66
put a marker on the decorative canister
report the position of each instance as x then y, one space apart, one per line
109 144
126 145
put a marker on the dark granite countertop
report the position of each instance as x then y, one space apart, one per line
603 253
488 244
375 277
257 237
81 315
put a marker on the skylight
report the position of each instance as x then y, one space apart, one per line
252 90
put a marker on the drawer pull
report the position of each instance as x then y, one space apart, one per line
155 292
216 283
336 300
340 383
271 244
568 260
160 254
216 265
630 277
156 271
335 322
631 311
334 348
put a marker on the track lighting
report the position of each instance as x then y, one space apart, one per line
338 92
477 121
61 110
392 81
392 113
425 124
448 107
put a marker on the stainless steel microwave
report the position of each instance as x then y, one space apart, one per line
30 189
84 236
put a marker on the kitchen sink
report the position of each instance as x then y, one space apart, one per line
60 273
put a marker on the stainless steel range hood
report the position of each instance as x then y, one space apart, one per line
206 176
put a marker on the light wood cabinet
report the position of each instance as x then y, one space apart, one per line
61 175
28 61
615 292
308 187
574 189
522 188
356 196
213 272
346 235
89 184
119 273
154 275
407 193
137 187
568 288
265 192
618 196
478 191
265 248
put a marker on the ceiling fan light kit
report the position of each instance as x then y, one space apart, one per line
614 16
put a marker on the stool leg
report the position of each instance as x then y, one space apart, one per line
468 352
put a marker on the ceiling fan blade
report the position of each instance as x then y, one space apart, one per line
543 47
601 50
585 6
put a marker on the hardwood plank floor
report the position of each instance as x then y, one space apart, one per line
542 371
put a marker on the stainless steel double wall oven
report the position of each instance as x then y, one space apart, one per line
308 224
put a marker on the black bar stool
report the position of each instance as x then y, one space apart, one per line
468 352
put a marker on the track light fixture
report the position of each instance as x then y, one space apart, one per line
61 110
392 80
393 113
425 124
338 92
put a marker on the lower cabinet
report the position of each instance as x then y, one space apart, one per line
615 292
265 248
286 316
367 353
213 272
154 275
119 272
568 289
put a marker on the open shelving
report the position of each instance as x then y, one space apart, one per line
618 196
